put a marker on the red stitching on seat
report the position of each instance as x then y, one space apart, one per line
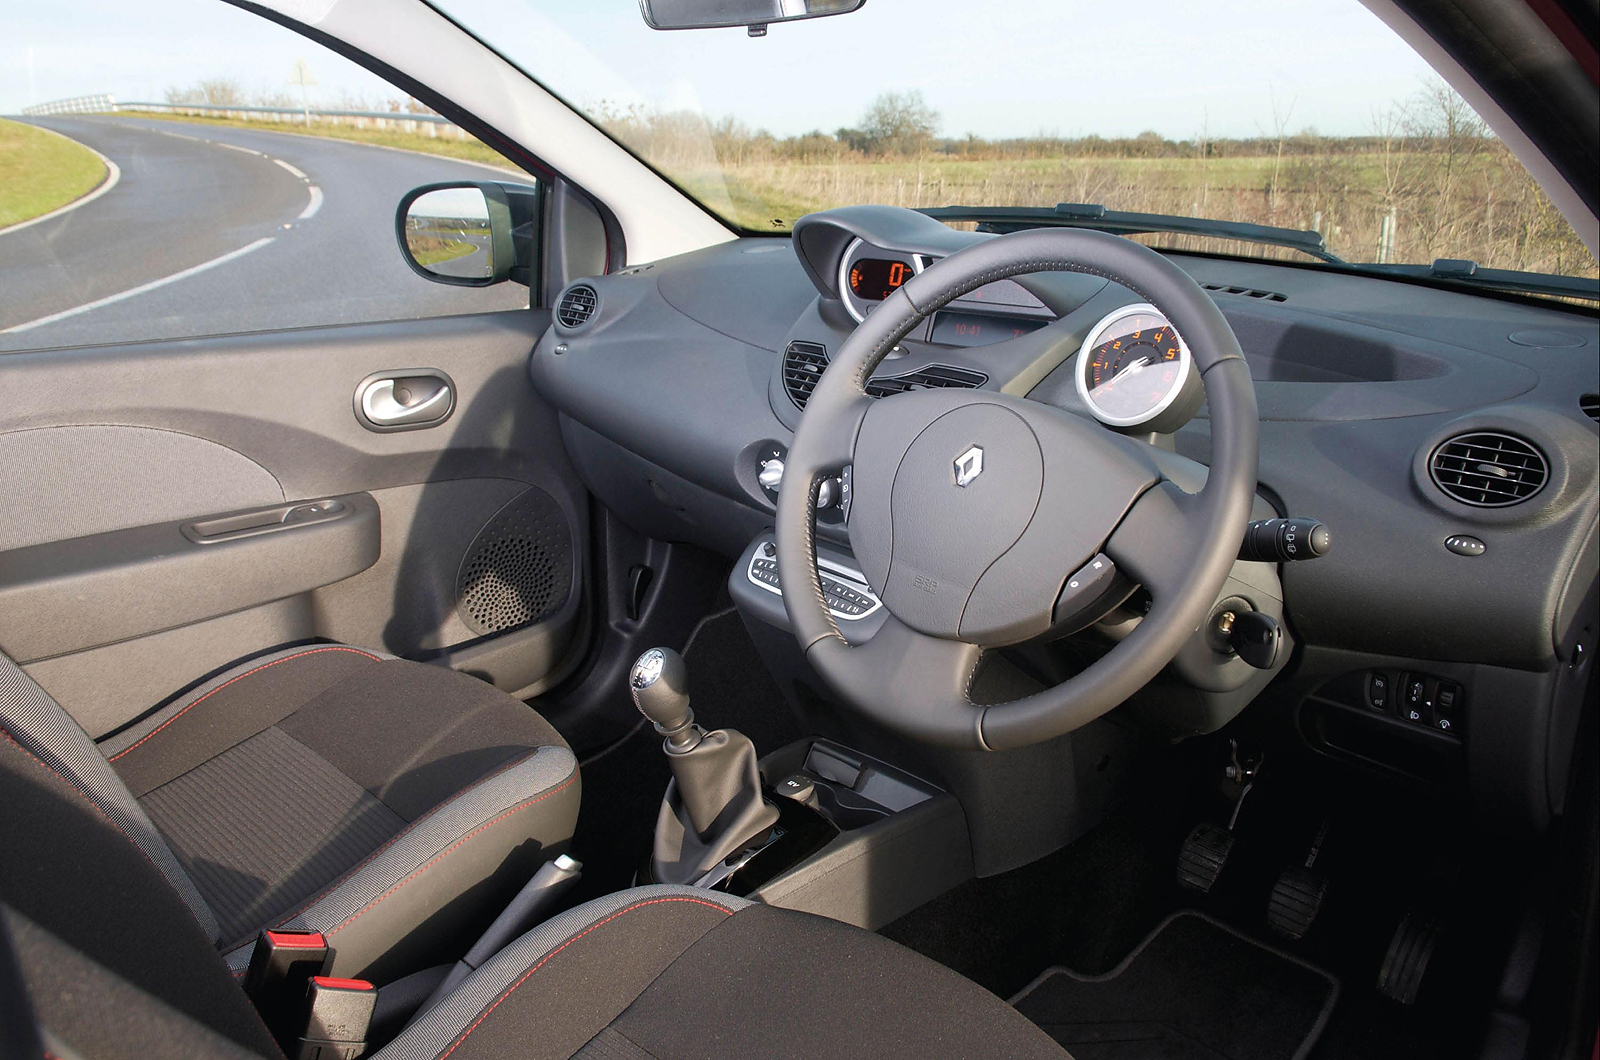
225 684
392 840
547 957
42 764
440 856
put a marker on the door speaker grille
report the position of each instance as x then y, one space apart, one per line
519 568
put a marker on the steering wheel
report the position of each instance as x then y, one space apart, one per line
974 551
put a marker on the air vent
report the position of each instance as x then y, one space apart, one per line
1488 469
577 306
935 376
1590 404
1246 292
803 363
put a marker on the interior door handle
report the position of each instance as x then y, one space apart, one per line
405 400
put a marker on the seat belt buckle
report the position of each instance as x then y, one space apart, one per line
281 965
338 1013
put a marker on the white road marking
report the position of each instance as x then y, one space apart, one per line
314 205
142 288
181 136
236 147
291 169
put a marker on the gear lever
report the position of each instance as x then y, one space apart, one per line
713 808
660 686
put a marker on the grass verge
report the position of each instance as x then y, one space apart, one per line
446 146
40 172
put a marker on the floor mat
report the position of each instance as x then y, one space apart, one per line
1193 990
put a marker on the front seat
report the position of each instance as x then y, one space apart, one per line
107 962
389 804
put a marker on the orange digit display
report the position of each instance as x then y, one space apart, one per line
874 279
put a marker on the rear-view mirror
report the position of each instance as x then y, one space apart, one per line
756 14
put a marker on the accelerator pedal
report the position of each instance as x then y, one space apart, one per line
1204 854
1400 976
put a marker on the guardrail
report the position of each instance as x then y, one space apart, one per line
97 104
431 125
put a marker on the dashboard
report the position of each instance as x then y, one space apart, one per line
1447 441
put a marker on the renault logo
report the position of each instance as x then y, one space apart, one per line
969 465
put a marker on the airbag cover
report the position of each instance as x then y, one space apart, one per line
941 536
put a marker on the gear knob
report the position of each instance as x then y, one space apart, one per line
659 683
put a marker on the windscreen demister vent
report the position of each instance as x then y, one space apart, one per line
803 363
1247 292
577 305
1590 404
1487 469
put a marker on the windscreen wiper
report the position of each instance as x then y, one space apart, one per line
1003 219
1460 270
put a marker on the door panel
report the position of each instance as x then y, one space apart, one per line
132 442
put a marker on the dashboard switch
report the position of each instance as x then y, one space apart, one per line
1378 692
1446 706
1284 540
771 474
1414 699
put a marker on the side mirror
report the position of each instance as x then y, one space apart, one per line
471 234
756 14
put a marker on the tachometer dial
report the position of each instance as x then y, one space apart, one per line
1134 367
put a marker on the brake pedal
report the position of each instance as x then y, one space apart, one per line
1400 976
1297 896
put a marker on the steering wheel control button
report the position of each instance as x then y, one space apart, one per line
1084 588
1465 545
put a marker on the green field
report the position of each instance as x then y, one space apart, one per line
40 171
1465 197
1485 208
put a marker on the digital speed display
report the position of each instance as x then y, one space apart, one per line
976 329
874 279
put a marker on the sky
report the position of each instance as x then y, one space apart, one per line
994 68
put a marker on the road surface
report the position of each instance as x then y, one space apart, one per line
213 230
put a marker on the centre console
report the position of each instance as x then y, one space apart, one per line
878 842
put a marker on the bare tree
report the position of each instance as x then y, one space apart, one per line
222 92
899 122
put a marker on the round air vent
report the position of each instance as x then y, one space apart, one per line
1487 469
577 305
1590 404
519 569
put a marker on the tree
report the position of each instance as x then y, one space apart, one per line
899 122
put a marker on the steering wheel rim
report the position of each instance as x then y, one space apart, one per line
914 674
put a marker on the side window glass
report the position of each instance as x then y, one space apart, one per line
189 168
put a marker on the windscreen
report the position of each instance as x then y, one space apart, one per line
1310 116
